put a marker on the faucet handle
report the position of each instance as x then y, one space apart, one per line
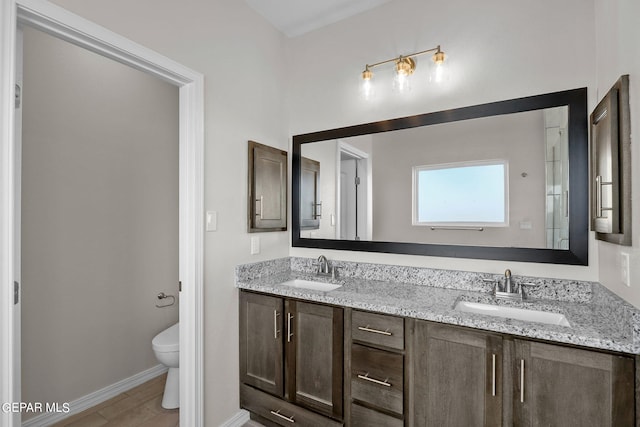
495 282
522 288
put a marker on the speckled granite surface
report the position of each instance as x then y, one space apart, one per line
598 318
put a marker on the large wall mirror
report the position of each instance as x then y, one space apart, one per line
505 180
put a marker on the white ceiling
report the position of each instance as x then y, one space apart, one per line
296 17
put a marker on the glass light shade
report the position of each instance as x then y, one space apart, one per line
402 83
439 68
402 78
367 90
367 87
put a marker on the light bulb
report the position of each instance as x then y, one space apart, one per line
404 69
438 72
401 83
367 88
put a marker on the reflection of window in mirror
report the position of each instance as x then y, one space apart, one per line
466 194
310 204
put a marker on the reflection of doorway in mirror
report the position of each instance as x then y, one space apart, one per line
557 180
354 211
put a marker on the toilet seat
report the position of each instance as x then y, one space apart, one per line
167 340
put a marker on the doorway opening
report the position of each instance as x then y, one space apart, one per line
354 221
64 25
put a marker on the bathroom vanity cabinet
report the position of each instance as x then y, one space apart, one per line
557 385
397 371
291 359
375 373
457 376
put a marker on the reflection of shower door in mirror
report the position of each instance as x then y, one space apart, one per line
557 177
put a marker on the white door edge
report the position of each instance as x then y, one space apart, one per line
60 23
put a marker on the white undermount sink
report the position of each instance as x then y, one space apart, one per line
513 313
308 284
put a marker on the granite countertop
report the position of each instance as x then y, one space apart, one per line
594 324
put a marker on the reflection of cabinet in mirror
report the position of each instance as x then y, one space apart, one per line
611 166
310 204
267 207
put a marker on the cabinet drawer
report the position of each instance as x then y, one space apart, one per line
281 412
378 329
377 377
365 417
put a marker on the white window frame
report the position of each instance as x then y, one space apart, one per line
415 189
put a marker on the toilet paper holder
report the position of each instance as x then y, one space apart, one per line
162 296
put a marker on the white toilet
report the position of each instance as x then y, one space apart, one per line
166 346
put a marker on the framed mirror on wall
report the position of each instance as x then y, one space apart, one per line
506 180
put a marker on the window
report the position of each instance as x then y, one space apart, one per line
461 194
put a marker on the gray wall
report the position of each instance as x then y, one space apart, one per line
517 138
99 219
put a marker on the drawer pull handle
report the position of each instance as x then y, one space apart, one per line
375 331
493 375
275 324
521 380
366 377
289 333
279 415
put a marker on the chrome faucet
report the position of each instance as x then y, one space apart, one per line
323 265
508 287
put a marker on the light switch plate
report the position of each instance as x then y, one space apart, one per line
625 269
255 245
212 221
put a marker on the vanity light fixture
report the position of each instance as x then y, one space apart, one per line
405 65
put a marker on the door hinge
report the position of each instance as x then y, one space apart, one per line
16 293
18 95
357 180
180 286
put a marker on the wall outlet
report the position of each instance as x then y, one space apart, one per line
625 272
255 245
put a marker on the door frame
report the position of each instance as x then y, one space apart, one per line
365 158
67 26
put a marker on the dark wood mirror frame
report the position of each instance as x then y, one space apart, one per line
578 252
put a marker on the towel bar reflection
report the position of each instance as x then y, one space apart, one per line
456 228
162 296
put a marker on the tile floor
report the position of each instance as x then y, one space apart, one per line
138 407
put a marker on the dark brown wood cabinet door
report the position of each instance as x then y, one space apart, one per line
561 386
457 377
313 335
261 335
267 188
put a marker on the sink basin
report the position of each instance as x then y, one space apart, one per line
513 313
308 284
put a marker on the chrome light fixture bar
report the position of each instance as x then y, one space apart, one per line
405 65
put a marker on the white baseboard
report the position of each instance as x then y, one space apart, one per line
237 420
97 397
